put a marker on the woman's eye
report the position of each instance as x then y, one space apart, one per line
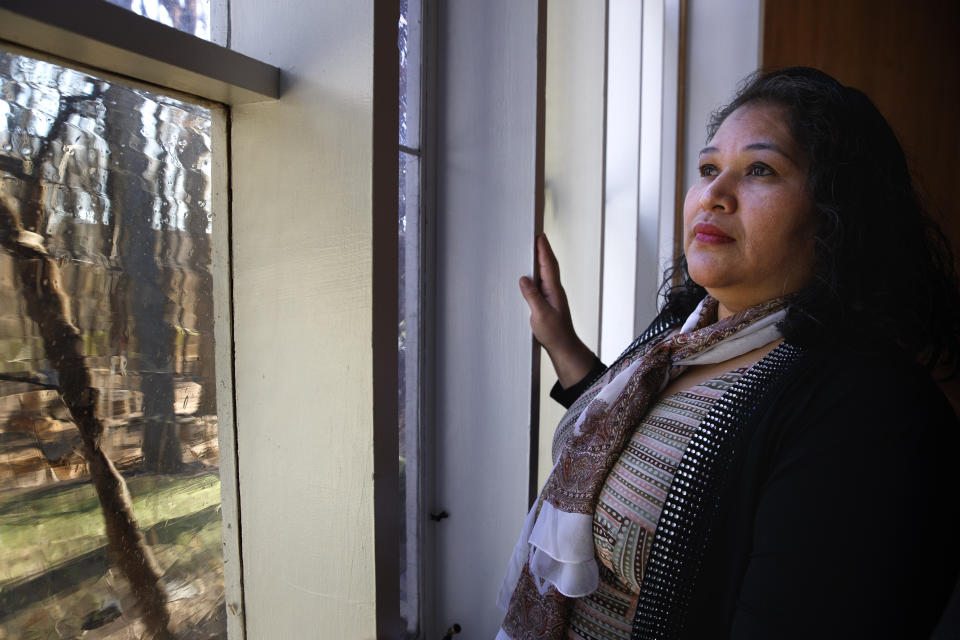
760 170
708 170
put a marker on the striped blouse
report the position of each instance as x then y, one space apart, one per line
629 507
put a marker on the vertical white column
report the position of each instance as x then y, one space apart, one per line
652 138
302 251
222 327
656 210
642 101
670 123
618 305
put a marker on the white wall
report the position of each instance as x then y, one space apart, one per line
302 287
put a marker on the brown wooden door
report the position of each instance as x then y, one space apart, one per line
905 55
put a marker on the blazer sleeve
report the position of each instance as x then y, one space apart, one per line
850 536
568 396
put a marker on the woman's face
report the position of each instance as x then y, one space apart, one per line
748 221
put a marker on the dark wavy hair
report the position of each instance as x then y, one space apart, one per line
884 273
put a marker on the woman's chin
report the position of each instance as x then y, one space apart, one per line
710 274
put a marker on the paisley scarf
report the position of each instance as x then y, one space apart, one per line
554 558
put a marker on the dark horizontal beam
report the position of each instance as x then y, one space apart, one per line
97 34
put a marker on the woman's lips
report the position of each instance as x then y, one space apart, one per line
709 234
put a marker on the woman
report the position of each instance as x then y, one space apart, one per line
770 459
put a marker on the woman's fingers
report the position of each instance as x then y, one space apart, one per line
535 300
549 271
550 318
547 298
547 323
549 314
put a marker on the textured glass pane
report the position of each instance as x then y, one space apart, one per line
409 330
108 421
191 16
410 43
409 410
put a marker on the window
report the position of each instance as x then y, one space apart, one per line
119 189
110 187
189 16
490 131
410 328
301 299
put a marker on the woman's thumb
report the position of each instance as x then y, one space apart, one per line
531 293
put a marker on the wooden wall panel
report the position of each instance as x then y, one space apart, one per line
906 56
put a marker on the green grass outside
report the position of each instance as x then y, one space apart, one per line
42 528
95 343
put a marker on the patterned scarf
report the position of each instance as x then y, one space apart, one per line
554 559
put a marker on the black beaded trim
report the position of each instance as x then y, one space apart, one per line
659 325
693 501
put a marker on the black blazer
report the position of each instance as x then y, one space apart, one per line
832 516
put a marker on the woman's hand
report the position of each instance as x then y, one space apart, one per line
550 319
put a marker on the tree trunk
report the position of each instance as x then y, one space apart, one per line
48 307
152 334
195 181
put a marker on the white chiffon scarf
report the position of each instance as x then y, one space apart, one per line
559 545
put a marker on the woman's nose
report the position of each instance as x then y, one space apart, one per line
720 194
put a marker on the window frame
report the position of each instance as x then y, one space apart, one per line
425 300
111 39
